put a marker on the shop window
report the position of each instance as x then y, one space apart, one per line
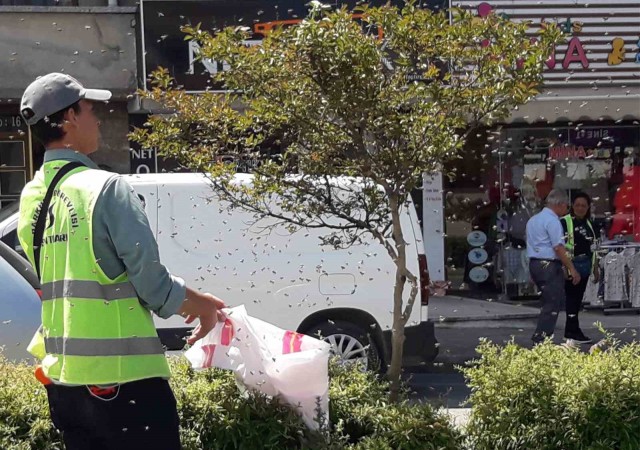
504 180
12 154
13 170
469 207
11 183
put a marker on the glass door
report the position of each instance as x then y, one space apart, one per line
526 178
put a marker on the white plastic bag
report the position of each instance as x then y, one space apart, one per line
276 362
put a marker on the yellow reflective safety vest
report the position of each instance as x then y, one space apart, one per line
571 240
94 329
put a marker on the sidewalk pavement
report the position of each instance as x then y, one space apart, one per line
450 308
459 417
460 323
461 312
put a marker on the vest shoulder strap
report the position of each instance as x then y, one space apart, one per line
40 222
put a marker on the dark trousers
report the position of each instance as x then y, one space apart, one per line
549 278
574 297
139 415
574 302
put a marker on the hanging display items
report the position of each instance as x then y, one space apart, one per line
479 274
478 256
477 238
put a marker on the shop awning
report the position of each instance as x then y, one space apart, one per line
573 105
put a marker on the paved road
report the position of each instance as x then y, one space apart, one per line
447 390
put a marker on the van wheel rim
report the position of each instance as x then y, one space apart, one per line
348 349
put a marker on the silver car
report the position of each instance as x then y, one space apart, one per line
8 226
19 304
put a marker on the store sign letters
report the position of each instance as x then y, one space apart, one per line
602 41
213 67
567 152
575 51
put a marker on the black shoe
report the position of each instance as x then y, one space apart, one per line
578 338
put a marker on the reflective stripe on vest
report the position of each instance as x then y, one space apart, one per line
571 242
95 330
87 289
104 347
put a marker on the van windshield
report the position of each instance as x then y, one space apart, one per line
8 211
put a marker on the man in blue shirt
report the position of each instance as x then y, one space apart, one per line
547 255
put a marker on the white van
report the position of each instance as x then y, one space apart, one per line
286 279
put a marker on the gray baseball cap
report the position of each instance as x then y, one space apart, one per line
54 92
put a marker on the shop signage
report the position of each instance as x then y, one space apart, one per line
594 142
12 124
143 160
433 224
165 46
604 137
602 44
571 151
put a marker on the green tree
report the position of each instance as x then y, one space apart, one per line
376 112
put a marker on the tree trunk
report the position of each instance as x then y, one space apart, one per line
395 368
397 333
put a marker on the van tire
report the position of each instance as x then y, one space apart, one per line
338 332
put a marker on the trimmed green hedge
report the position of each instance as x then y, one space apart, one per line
548 398
363 416
555 398
24 413
213 415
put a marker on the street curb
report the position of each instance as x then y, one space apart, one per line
458 417
485 318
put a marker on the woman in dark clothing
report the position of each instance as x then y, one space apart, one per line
580 237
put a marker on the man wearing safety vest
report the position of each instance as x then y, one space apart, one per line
86 233
580 239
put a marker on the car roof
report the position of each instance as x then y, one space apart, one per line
20 265
190 178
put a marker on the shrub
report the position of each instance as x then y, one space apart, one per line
372 444
24 411
214 415
363 416
555 398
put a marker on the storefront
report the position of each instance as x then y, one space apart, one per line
100 55
16 164
163 44
581 134
486 240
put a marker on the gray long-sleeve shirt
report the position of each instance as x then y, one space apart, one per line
124 242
